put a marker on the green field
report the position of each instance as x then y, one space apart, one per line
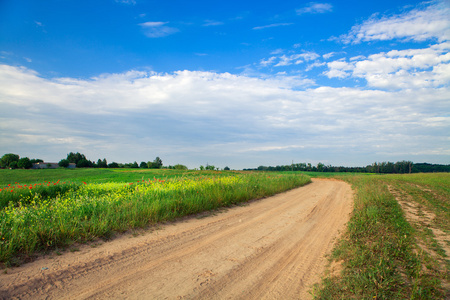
92 175
386 254
43 210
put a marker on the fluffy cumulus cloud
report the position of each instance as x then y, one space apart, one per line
191 116
157 29
412 68
427 22
416 68
399 110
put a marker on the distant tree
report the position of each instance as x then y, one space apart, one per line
9 160
84 163
157 163
76 158
113 165
143 165
63 163
202 168
24 163
180 167
102 163
209 167
134 165
320 167
226 168
36 160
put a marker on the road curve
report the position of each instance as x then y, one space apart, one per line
272 248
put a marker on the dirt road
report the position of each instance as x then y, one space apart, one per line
269 249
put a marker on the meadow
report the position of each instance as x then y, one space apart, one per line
397 244
45 210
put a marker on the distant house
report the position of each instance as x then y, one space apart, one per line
48 165
45 165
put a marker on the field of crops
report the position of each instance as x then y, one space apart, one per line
41 210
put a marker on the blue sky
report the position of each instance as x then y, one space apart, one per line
236 83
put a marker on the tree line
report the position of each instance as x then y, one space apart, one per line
400 167
81 161
13 161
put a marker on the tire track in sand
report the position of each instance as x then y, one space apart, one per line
273 248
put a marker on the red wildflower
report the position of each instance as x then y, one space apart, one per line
84 182
30 187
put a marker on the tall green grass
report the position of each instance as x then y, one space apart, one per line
94 210
379 254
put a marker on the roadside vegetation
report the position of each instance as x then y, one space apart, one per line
42 215
397 244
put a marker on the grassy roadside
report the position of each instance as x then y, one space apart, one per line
33 223
387 254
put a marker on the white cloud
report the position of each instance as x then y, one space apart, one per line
287 60
284 61
358 57
132 2
339 68
432 21
157 29
212 23
272 25
314 65
412 68
190 116
267 62
328 55
277 51
315 8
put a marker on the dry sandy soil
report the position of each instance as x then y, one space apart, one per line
273 248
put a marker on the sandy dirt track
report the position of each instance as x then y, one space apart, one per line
272 248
